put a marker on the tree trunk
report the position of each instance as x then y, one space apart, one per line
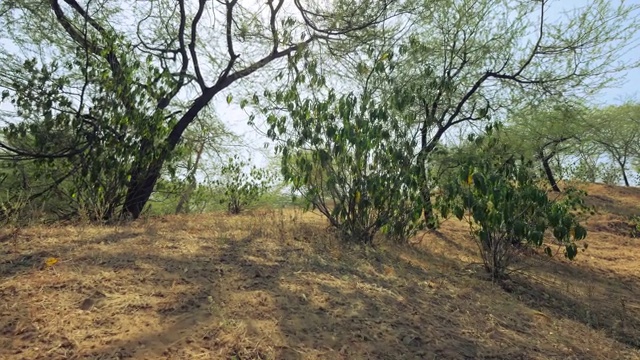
548 172
427 209
143 181
183 203
425 189
626 180
185 198
624 173
145 175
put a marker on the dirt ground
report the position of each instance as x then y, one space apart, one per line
275 284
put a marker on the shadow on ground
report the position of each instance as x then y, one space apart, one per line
232 290
602 300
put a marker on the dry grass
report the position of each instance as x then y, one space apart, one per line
277 285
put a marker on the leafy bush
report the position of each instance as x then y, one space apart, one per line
242 189
634 225
505 208
351 160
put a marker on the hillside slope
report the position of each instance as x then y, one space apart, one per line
277 285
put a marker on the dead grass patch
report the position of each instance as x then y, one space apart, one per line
276 284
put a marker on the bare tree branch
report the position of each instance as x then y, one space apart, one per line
272 23
192 44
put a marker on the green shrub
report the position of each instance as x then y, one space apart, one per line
498 195
634 225
240 188
352 162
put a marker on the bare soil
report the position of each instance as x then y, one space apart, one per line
276 284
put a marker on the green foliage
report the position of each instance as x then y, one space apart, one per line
500 198
109 119
353 161
15 209
585 170
171 193
592 171
188 176
615 131
124 108
82 147
242 189
547 130
634 224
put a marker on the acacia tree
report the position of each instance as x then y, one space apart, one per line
616 131
174 53
587 165
465 62
545 130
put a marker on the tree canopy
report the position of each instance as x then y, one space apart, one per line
115 76
109 101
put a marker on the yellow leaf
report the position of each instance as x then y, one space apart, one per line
358 197
51 261
470 179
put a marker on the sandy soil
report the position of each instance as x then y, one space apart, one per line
275 284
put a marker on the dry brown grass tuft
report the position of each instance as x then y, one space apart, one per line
276 284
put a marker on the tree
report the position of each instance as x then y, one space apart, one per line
206 140
616 130
587 165
67 149
545 130
465 62
166 59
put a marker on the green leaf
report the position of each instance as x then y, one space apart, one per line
571 251
458 211
580 233
479 182
444 211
